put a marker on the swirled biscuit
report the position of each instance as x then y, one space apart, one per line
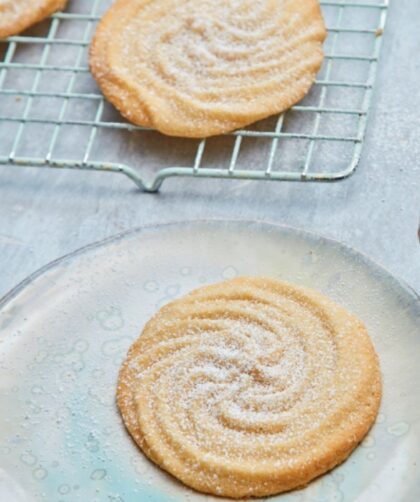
197 68
17 15
250 387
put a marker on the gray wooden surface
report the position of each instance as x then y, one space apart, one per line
47 213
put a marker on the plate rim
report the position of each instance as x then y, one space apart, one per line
10 295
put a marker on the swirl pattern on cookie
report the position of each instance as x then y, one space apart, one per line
17 15
197 68
250 387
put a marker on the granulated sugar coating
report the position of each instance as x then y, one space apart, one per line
17 15
198 68
250 387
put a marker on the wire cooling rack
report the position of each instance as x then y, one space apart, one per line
53 115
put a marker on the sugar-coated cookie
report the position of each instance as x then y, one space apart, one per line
250 387
17 15
197 68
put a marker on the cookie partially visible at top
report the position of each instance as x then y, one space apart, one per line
197 68
17 15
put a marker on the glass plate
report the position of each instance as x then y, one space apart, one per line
65 331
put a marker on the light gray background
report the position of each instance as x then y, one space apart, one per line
47 213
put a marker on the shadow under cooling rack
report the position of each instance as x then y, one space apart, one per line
52 113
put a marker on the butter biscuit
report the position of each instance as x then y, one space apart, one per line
18 15
250 387
197 68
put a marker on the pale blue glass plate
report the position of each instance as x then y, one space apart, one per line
65 331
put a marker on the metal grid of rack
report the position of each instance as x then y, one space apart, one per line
53 115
